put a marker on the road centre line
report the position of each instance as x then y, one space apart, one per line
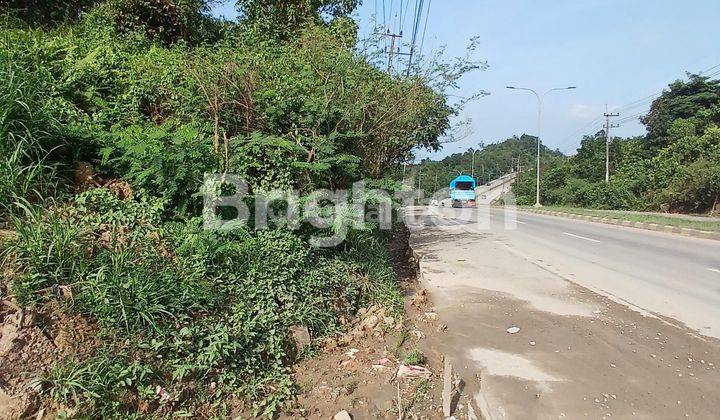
714 270
581 237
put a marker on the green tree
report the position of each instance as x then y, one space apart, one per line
282 18
685 99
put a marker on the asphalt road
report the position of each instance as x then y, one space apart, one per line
668 275
493 191
613 322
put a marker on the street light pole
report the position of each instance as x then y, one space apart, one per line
539 128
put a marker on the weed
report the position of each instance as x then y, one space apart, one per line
421 391
415 357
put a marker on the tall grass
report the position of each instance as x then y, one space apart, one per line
31 135
24 177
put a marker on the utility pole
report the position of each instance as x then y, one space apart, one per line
391 51
608 126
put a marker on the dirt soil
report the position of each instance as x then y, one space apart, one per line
30 344
359 371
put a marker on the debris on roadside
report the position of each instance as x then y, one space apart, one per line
382 362
164 395
411 372
351 353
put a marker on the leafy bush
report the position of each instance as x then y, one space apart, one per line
166 161
197 306
157 93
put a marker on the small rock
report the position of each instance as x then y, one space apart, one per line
432 316
301 335
342 415
513 330
532 343
418 334
420 298
369 323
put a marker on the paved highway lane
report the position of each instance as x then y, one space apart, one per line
665 274
612 321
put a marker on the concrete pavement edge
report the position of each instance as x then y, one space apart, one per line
696 233
479 398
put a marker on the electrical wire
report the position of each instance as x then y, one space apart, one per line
384 19
427 18
633 105
404 15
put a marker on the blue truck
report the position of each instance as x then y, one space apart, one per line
462 191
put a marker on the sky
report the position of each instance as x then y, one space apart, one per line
617 52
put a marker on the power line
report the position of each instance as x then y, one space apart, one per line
403 15
579 131
632 105
642 101
384 19
714 74
415 28
390 15
629 118
707 70
427 18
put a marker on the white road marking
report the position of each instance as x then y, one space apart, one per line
581 237
714 270
522 223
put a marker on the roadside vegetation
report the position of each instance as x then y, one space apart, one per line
674 168
111 112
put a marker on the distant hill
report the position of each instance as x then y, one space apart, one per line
491 161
